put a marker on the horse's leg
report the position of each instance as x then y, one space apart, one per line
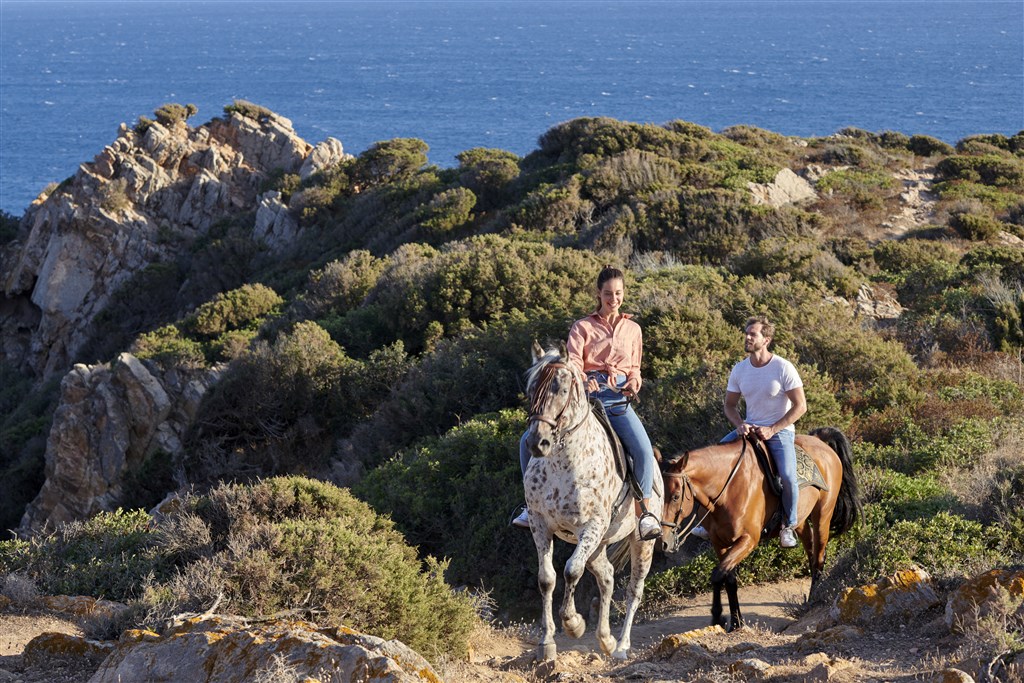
641 553
604 572
816 549
735 618
717 579
542 538
587 542
728 559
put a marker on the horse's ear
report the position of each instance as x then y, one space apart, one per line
672 459
537 350
562 351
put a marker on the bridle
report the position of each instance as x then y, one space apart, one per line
681 529
538 400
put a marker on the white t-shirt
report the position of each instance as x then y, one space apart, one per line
764 389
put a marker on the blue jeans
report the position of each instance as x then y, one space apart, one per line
629 429
782 446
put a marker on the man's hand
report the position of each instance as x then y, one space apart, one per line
765 433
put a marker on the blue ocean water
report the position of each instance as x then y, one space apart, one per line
498 73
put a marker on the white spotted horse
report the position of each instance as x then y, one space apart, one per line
575 491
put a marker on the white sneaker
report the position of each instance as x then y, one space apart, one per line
787 538
649 528
699 532
522 520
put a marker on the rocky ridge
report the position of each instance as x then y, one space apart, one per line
140 201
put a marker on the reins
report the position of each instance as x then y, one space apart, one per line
706 503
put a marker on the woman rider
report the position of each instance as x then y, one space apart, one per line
607 346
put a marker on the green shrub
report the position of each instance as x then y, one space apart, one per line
901 256
905 497
927 146
452 496
865 189
242 308
390 161
945 545
447 211
488 173
989 169
110 556
342 285
248 110
168 346
8 227
172 113
976 226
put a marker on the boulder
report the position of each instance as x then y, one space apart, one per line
226 648
110 421
326 154
893 599
44 648
275 224
994 591
787 188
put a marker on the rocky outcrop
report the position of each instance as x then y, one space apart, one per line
895 599
986 595
140 201
275 224
787 188
111 420
225 648
326 154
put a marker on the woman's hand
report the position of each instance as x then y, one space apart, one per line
631 387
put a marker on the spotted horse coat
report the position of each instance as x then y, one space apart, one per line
574 492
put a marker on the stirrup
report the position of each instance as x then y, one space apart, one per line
652 534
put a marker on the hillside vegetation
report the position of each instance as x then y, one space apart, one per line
385 349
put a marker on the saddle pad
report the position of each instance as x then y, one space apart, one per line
807 472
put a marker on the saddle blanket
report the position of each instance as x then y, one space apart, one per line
807 472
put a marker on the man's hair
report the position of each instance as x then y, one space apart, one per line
767 327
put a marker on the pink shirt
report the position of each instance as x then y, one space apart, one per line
595 345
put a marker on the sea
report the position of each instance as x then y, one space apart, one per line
498 73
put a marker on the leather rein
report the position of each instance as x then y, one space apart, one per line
682 529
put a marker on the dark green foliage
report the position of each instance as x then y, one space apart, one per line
275 411
975 226
927 146
26 413
248 110
864 189
263 548
989 169
452 497
447 212
172 113
8 227
900 257
488 173
238 309
391 161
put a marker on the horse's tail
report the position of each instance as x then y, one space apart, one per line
848 506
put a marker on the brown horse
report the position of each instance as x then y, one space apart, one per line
729 484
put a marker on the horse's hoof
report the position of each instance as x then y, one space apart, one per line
621 655
574 626
546 653
607 645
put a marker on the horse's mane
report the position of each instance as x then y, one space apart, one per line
550 356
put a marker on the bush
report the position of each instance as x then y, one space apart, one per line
447 211
974 226
391 161
249 110
927 146
452 496
172 113
281 544
488 173
864 189
242 308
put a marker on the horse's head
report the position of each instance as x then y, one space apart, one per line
677 514
555 391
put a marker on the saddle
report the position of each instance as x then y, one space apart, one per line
623 460
807 474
